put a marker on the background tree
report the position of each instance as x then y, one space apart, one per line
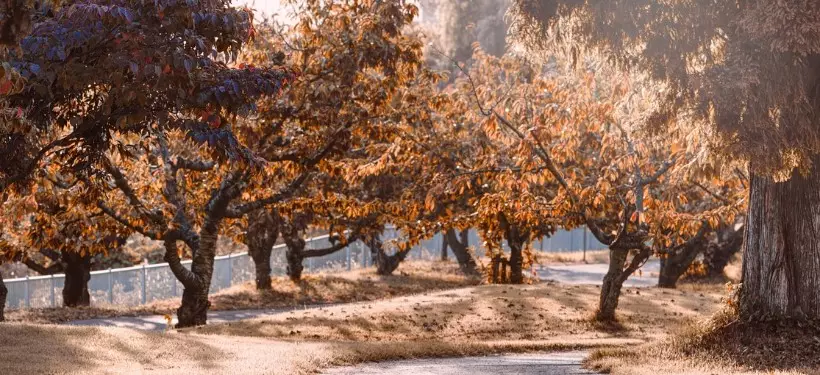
745 74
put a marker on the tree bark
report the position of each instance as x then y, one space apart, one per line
3 294
718 253
77 274
194 308
385 264
781 263
676 260
614 279
516 239
260 237
294 254
444 247
459 245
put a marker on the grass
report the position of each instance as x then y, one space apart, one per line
474 320
340 287
721 344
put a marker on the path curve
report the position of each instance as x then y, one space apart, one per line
564 363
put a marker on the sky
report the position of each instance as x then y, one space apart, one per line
265 6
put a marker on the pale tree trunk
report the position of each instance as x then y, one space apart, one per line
619 270
781 263
260 236
3 294
460 246
77 274
385 264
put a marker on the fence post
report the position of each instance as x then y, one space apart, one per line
53 300
230 270
110 286
26 294
347 256
144 282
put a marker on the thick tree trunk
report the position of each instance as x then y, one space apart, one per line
194 309
295 255
260 237
385 264
77 275
3 294
718 253
459 245
614 279
781 262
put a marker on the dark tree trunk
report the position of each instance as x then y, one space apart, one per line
516 239
3 294
295 253
194 309
460 246
675 261
260 237
77 275
444 247
614 279
781 262
718 253
385 264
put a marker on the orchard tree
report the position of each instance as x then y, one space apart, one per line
353 60
274 158
88 70
578 149
745 73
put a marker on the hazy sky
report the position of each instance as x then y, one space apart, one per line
265 6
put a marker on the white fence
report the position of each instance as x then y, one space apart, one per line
147 283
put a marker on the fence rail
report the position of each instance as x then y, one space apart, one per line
146 283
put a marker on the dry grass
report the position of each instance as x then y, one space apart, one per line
360 285
546 311
474 320
721 345
574 257
40 349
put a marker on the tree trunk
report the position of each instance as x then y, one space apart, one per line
194 309
295 255
260 237
617 273
77 275
781 263
516 240
3 294
385 264
718 254
465 257
444 247
675 261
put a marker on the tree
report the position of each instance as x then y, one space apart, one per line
745 73
94 69
288 147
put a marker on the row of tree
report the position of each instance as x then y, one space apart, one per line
159 119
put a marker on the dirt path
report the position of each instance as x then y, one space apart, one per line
524 364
